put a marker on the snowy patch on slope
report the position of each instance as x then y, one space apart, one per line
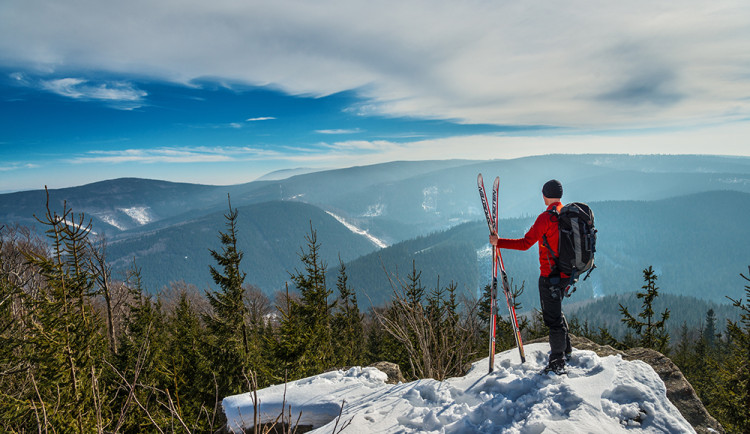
599 394
141 214
378 242
376 210
110 220
484 254
743 181
429 199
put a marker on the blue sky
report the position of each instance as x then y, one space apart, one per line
223 92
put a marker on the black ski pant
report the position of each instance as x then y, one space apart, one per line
550 296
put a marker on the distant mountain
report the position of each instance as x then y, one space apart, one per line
114 206
271 236
278 175
696 244
395 201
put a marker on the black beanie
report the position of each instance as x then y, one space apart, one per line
552 189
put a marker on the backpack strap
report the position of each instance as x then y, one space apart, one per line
550 252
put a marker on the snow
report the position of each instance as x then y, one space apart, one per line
743 181
109 219
429 201
599 394
378 242
376 210
140 214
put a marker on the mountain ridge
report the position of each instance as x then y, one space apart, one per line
402 201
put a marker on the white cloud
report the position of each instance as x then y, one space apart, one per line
339 131
725 139
11 166
571 63
263 118
173 155
119 94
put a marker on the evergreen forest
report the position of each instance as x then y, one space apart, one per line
84 351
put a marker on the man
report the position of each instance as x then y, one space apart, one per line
551 283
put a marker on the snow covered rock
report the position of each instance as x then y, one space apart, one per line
599 394
679 391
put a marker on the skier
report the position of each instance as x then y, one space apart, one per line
551 282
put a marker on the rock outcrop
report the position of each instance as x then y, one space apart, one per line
392 370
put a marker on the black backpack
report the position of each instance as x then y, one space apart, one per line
577 240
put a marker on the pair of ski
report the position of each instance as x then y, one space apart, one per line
497 262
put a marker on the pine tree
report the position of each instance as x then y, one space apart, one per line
604 337
140 362
67 338
413 289
186 368
348 332
289 346
709 332
260 335
733 407
683 352
55 354
305 339
652 334
228 332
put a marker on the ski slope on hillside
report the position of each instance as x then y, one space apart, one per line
380 243
599 394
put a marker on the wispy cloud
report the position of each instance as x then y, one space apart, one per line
9 167
176 155
567 63
117 94
339 131
263 118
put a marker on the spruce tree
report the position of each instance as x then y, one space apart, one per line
305 342
413 289
140 362
228 332
55 359
683 352
709 332
290 344
188 372
651 333
348 332
733 407
260 335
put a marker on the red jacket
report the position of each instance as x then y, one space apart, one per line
545 224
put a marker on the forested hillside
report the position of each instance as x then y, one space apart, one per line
115 205
605 312
693 242
269 233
